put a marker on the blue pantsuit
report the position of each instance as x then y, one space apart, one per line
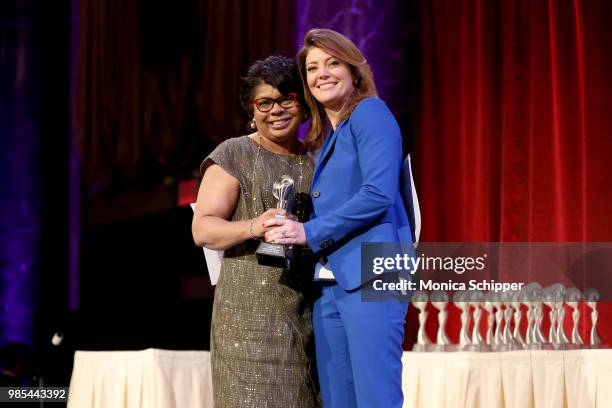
356 199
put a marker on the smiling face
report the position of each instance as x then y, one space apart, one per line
279 125
330 80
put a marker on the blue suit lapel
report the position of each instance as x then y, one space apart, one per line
325 151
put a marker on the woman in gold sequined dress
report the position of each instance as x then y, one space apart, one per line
261 329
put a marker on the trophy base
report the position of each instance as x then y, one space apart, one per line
565 346
482 348
428 348
441 348
546 346
468 348
572 346
275 255
419 348
595 346
450 348
551 346
507 347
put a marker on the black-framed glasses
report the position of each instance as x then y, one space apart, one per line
285 101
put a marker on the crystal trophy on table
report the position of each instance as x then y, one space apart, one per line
488 306
439 300
476 298
508 341
553 298
572 297
591 297
419 301
462 301
515 303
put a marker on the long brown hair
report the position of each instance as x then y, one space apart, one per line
340 47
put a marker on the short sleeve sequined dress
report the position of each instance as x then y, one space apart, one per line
261 328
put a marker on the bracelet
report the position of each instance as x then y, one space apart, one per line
251 233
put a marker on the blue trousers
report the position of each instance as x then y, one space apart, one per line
359 349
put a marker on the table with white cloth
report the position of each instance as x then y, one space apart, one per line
512 379
149 378
155 378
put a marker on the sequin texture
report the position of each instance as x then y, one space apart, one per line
261 330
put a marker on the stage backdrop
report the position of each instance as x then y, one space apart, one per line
513 130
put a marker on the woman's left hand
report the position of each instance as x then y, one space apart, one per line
287 232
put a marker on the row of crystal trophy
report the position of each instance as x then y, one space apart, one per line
504 316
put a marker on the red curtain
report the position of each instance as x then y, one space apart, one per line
514 129
158 82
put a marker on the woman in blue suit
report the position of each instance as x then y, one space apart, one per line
356 199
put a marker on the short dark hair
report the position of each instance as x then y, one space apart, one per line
278 71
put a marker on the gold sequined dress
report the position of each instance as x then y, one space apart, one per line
261 328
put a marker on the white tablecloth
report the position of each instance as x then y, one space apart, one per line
515 379
518 379
149 378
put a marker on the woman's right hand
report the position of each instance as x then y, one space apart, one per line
257 229
217 200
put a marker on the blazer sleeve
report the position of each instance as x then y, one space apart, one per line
379 148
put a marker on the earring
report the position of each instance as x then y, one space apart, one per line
252 124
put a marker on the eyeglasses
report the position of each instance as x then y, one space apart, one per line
285 101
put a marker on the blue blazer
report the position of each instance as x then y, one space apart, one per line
355 190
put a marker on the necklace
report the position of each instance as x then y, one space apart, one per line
257 154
